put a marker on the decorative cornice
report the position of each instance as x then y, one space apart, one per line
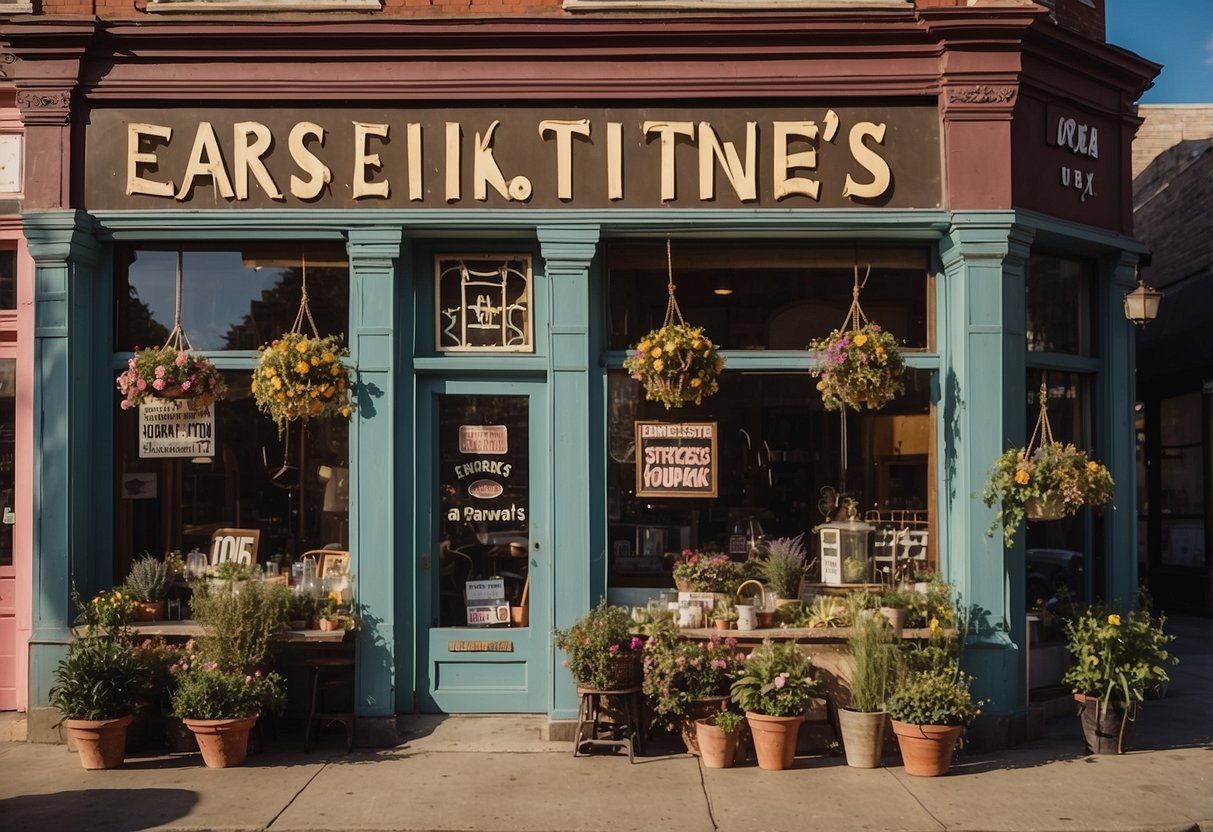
981 94
45 107
7 59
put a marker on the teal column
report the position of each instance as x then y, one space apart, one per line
982 319
374 532
578 572
68 390
1116 437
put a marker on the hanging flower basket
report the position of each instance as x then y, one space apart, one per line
859 368
167 373
859 365
302 377
677 364
1045 482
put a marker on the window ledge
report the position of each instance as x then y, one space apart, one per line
7 8
167 6
748 5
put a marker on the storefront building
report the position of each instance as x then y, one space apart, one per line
482 206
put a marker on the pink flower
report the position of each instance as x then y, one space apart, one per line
181 359
637 643
257 673
160 371
185 385
781 680
730 642
125 405
158 383
173 668
614 648
141 384
248 680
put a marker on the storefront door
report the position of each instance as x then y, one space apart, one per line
482 600
8 576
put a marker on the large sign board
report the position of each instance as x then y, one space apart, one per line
676 459
799 154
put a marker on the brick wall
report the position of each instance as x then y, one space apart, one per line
1173 212
1085 18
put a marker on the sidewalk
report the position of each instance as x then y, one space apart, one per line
493 773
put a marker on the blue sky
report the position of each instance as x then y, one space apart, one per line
1175 33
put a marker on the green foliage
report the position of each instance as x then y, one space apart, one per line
725 610
148 580
934 697
679 671
825 611
877 662
858 368
1053 470
783 566
727 721
302 377
595 641
707 573
776 680
205 691
108 613
303 606
240 620
99 679
1117 658
936 604
230 570
677 364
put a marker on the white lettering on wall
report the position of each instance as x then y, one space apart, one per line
318 173
136 184
870 160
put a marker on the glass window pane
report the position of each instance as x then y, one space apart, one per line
292 488
8 433
1179 419
484 495
775 298
235 299
1059 305
1183 543
777 449
8 279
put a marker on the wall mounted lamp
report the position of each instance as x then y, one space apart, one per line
724 286
1141 305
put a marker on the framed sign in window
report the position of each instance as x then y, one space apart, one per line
482 303
676 459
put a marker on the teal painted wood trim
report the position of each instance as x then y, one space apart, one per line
737 361
1063 363
982 316
1117 439
578 577
798 224
374 536
68 371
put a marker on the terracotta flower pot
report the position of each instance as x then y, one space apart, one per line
926 750
896 618
774 739
717 749
101 742
223 742
697 710
862 736
149 610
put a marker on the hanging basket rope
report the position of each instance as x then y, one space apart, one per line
677 364
860 365
301 375
171 371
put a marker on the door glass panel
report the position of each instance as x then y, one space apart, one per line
8 379
8 280
484 488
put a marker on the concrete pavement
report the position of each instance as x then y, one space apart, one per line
494 773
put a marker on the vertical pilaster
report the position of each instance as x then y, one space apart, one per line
1116 432
374 536
981 415
67 390
578 572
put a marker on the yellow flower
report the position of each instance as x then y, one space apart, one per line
1094 660
861 339
821 385
328 358
719 364
276 383
696 344
301 347
302 367
655 352
345 411
935 628
271 372
1114 620
335 370
1022 477
315 361
696 382
1092 466
658 364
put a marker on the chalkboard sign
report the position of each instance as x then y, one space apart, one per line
675 459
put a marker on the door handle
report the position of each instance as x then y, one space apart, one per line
425 563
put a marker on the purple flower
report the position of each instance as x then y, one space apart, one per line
614 648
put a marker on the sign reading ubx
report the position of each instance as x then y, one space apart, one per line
810 155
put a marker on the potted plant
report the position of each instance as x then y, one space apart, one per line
685 680
148 584
302 610
701 572
221 705
168 373
859 366
677 364
783 568
894 604
602 652
1117 660
774 690
875 668
724 614
929 710
239 622
100 682
302 377
1049 482
717 737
